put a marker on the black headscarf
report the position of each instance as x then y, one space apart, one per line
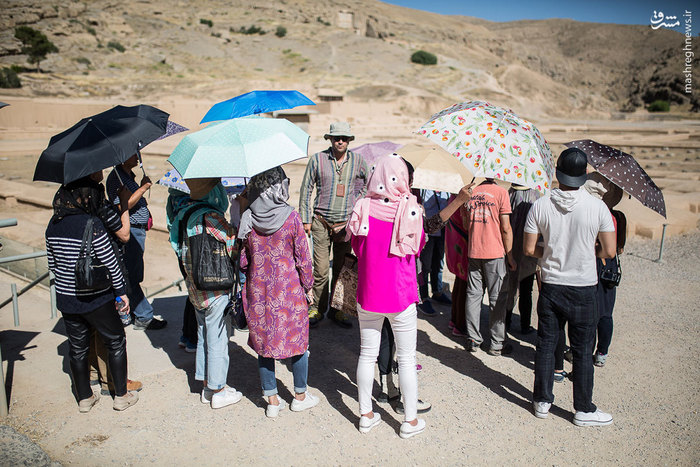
82 196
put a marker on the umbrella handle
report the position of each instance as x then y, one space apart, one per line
140 159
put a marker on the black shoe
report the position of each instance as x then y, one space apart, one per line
442 298
507 349
472 346
568 355
422 407
427 309
156 324
339 318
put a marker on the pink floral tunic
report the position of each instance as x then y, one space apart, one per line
278 273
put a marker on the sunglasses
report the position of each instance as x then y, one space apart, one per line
340 138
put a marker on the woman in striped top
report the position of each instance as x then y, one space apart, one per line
75 204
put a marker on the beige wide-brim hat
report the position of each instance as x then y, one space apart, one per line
200 187
339 129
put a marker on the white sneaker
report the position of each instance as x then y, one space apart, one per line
597 418
541 409
366 424
309 401
226 396
273 411
206 395
407 430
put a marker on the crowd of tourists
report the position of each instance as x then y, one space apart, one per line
495 241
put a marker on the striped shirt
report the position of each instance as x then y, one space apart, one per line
326 175
139 214
63 240
218 228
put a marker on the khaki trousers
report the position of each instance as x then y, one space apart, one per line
323 244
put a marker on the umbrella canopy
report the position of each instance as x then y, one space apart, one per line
435 169
239 148
371 151
3 104
624 171
256 102
103 140
172 128
493 142
173 179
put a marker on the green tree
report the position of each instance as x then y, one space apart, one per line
35 44
281 31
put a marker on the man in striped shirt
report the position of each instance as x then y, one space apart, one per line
340 177
139 216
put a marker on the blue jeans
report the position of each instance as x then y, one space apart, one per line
141 309
431 259
557 305
300 370
212 344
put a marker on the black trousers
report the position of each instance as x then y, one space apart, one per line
386 349
106 322
557 306
189 322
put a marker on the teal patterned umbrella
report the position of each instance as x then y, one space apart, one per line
240 147
493 142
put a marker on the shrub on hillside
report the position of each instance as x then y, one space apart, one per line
251 30
116 46
424 58
207 22
281 31
9 78
659 106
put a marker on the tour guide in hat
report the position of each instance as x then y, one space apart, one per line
340 177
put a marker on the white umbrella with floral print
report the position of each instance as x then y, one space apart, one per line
493 142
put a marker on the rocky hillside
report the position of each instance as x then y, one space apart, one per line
141 49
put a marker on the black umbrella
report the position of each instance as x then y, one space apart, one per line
624 171
3 104
103 140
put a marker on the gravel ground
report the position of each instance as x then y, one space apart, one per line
481 404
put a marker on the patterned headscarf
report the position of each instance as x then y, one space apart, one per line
268 193
389 198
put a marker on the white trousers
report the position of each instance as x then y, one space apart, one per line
403 325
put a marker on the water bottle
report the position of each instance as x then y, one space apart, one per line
123 313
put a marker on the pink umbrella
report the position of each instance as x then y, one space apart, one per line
371 151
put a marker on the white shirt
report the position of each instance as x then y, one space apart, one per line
569 222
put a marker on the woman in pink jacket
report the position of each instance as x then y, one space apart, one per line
387 234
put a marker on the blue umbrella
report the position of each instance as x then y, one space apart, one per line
173 179
256 102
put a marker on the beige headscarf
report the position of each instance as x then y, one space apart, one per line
603 189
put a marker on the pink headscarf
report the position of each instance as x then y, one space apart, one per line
389 199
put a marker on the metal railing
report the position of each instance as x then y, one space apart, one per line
15 303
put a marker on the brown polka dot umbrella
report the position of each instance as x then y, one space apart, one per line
624 171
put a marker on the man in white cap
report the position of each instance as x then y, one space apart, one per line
340 177
569 221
